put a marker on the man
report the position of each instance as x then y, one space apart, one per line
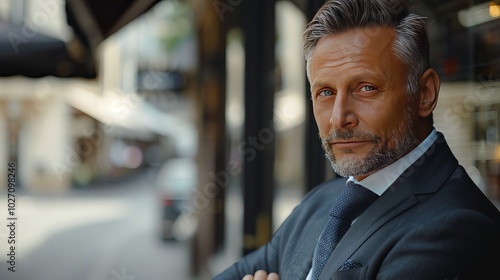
373 95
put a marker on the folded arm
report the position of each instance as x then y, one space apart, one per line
265 258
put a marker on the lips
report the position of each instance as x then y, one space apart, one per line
348 144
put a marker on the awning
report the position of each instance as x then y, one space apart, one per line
31 53
96 20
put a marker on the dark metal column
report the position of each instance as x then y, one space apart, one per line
258 148
315 156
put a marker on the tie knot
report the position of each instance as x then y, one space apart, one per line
353 200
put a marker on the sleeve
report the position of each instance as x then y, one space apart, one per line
265 258
461 244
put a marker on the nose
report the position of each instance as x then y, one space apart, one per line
343 115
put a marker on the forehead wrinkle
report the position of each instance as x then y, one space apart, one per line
330 59
355 73
324 67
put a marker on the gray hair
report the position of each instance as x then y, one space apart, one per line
411 44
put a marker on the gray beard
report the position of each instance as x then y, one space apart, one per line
380 156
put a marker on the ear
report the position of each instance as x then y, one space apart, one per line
428 92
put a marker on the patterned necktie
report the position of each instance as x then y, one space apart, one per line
353 200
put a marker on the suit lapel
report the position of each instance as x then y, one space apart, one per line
298 264
425 176
305 251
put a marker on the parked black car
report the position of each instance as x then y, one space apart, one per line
176 182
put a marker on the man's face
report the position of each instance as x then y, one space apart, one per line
366 119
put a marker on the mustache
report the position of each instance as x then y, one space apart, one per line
349 134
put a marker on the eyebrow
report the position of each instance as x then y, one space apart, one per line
367 74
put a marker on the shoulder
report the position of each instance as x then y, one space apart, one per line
460 242
312 208
460 196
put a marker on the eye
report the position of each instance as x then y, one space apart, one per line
325 92
367 88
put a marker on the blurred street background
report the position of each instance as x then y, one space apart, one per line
164 139
95 234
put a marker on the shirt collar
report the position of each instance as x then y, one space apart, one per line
380 181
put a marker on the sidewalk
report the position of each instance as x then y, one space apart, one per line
96 233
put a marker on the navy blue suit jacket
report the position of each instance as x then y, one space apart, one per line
431 223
